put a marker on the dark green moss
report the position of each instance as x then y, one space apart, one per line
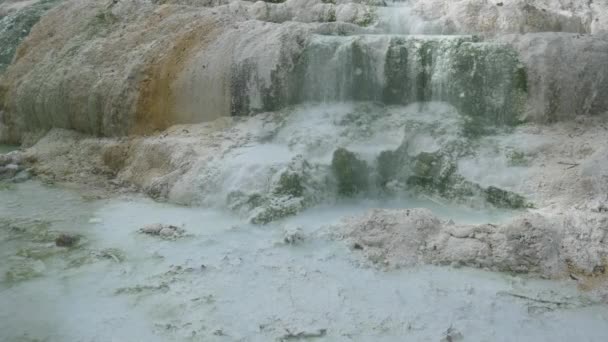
388 166
396 73
351 173
521 79
432 172
254 201
290 184
423 78
516 158
505 199
332 15
482 74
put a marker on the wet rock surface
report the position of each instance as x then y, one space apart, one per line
12 169
276 56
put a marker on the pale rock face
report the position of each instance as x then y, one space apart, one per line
566 74
515 16
184 64
540 243
394 238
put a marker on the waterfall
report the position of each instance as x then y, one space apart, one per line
485 81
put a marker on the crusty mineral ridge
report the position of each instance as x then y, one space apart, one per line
114 68
547 244
121 67
516 16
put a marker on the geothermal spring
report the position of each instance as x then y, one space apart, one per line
303 170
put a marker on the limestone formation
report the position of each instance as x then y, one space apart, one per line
134 67
539 243
268 108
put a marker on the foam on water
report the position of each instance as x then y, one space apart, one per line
253 286
310 134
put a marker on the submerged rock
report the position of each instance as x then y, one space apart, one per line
66 240
351 172
505 199
452 335
293 235
434 173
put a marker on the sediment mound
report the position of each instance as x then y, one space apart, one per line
550 245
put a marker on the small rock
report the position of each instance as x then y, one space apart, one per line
599 269
164 231
13 167
152 229
9 171
21 176
10 158
293 236
167 232
452 335
66 240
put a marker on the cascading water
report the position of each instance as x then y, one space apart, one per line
398 17
400 116
347 94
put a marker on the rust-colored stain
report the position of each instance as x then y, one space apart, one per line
155 105
588 281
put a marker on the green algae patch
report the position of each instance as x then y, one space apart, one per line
505 199
435 174
389 164
351 172
488 84
290 184
485 81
